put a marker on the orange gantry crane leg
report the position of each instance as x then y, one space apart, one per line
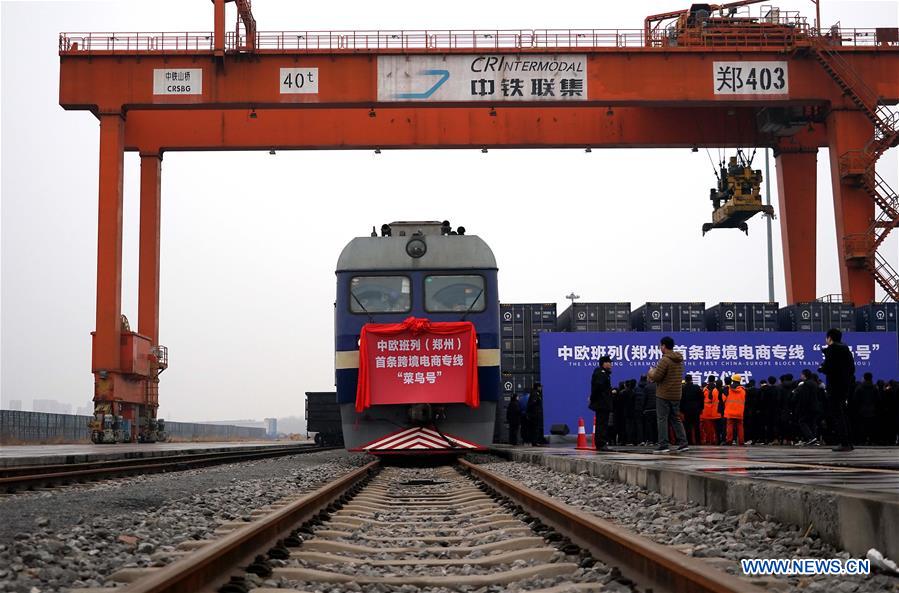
797 201
148 273
853 207
107 337
123 360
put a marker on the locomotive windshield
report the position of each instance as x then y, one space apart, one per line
454 293
380 294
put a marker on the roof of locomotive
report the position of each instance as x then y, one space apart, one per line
443 252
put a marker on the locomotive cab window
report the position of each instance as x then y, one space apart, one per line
444 294
380 294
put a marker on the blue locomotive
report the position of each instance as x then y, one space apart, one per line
427 273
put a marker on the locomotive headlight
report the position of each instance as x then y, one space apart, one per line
416 248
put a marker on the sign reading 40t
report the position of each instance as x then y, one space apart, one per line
298 81
483 77
751 78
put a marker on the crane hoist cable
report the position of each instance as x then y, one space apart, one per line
706 148
714 168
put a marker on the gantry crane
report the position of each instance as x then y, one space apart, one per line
712 79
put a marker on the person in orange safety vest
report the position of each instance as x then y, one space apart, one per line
734 404
708 420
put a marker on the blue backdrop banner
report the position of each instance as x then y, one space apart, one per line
567 360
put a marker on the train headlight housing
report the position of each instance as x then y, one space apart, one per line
416 248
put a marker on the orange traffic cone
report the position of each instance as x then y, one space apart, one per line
581 435
593 436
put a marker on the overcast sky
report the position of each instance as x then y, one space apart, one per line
250 240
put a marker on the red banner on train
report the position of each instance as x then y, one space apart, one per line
417 361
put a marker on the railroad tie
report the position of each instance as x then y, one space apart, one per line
451 581
477 509
322 545
331 534
448 519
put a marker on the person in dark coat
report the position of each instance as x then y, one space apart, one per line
883 414
523 400
891 405
619 403
806 406
839 368
630 427
865 402
535 415
769 410
601 401
691 406
513 417
639 404
786 411
753 419
650 423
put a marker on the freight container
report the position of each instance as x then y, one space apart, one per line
806 317
520 329
595 317
840 316
673 317
816 316
752 317
519 383
515 362
323 417
514 318
877 317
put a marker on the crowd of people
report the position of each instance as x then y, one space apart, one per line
783 410
824 406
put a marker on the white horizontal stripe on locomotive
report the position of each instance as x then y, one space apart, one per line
349 359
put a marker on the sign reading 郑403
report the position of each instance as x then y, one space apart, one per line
751 78
482 77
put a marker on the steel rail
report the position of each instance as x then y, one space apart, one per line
24 477
130 458
643 561
210 567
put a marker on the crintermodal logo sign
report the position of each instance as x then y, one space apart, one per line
482 77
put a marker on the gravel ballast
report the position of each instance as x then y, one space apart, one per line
77 536
722 538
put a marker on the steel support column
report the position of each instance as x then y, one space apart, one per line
853 208
148 274
796 191
218 22
107 337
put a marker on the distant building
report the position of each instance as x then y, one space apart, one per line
51 406
271 427
245 423
15 404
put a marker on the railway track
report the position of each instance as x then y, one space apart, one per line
15 479
447 528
